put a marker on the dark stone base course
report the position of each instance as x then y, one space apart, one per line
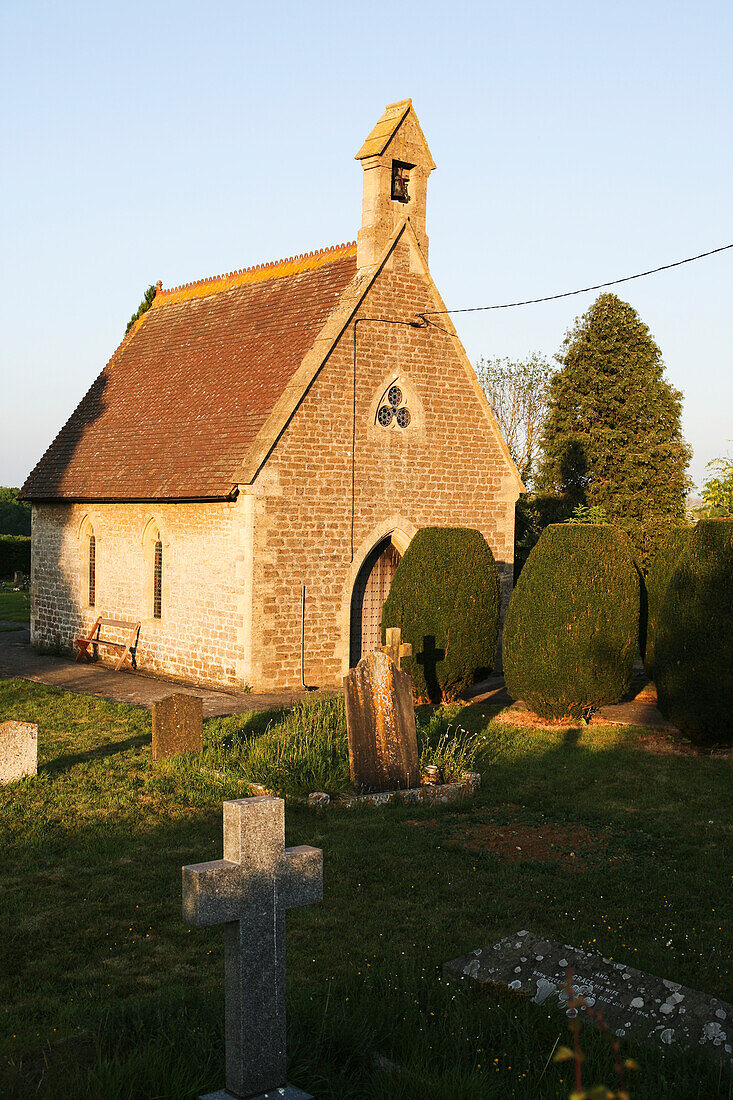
634 1004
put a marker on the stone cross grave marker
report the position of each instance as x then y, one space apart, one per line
380 723
394 647
248 892
18 750
178 725
634 1004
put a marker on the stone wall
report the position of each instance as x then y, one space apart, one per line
199 634
233 572
447 468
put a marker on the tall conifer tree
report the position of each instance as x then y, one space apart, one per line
613 437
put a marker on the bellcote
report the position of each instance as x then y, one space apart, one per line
396 162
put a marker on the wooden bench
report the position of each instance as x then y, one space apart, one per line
127 631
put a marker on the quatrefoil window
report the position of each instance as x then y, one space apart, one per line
394 409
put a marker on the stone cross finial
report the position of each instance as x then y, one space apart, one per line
394 648
248 892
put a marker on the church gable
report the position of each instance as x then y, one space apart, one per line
387 304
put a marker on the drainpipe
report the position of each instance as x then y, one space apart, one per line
305 686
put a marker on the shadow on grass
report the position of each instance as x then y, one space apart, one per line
63 763
97 943
232 728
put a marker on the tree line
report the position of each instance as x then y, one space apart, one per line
597 437
15 514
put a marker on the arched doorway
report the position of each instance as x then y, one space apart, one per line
371 589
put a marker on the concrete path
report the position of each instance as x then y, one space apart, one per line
19 659
639 708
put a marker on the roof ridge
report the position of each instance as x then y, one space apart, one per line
265 270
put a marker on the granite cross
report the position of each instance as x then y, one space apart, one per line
248 892
394 648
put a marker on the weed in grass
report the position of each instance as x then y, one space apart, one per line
298 752
306 749
442 741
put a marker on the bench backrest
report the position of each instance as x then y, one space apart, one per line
122 624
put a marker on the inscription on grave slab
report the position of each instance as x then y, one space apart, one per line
18 750
178 725
380 722
634 1004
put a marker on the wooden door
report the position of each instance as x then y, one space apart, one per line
370 591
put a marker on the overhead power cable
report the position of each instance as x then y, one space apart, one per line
571 293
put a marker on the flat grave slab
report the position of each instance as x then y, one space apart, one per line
634 1004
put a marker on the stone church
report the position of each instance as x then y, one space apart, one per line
246 471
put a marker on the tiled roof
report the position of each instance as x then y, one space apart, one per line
176 409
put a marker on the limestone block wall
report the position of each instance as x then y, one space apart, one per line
447 468
205 565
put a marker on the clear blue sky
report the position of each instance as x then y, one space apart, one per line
575 142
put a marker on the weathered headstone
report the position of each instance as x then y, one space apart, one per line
633 1003
395 648
18 750
248 892
380 722
178 725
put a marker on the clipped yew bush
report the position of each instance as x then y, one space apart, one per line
693 649
445 598
572 629
657 582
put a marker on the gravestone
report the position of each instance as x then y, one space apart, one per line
18 750
178 725
634 1004
248 892
380 722
395 648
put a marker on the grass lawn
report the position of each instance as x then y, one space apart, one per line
106 993
14 606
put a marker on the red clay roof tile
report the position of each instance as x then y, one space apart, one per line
175 411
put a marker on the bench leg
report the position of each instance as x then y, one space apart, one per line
121 661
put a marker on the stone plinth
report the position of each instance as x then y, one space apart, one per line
288 1092
178 725
427 795
634 1004
380 720
18 750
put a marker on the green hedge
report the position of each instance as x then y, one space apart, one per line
693 652
572 629
445 598
15 553
657 581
